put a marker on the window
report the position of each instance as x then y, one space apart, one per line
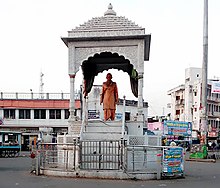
9 113
24 114
177 98
177 112
67 113
39 114
54 114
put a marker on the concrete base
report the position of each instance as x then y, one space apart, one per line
116 175
202 160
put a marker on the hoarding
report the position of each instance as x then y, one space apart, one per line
215 87
177 128
173 162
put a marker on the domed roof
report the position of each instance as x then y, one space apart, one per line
107 25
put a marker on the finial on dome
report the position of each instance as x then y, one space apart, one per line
110 11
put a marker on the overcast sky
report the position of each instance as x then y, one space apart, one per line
30 42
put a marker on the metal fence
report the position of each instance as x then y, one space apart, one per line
103 155
56 156
86 155
213 154
144 158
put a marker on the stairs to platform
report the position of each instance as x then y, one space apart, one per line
102 130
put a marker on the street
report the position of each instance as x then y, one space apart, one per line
15 172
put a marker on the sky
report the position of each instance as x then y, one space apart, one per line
30 42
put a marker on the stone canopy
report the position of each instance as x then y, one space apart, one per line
108 42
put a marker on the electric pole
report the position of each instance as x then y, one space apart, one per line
204 120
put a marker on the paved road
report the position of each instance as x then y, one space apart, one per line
15 172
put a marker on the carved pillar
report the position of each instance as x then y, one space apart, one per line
140 93
72 117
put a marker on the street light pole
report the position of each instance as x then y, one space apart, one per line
204 122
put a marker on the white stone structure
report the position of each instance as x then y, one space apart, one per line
103 43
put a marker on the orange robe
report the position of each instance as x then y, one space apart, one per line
109 98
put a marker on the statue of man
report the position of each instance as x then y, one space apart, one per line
109 97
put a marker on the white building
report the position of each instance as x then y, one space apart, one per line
186 102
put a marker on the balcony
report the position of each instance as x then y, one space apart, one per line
180 102
214 114
213 99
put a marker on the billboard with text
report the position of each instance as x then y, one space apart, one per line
178 128
215 87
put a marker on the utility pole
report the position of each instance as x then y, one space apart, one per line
204 126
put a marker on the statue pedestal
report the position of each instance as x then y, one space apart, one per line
74 126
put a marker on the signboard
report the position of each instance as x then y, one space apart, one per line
155 126
173 162
118 116
178 128
215 87
212 134
93 114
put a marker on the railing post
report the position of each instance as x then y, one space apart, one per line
123 120
133 165
125 155
48 96
74 153
77 152
122 154
38 162
159 162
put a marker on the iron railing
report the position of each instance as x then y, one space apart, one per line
106 155
102 155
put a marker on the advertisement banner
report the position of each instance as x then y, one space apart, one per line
177 128
215 87
173 161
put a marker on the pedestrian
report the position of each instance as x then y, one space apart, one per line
172 143
213 145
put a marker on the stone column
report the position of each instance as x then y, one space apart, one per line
85 111
140 93
72 117
140 70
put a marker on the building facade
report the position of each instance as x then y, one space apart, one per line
186 103
33 114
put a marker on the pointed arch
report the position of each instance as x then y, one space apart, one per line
105 61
